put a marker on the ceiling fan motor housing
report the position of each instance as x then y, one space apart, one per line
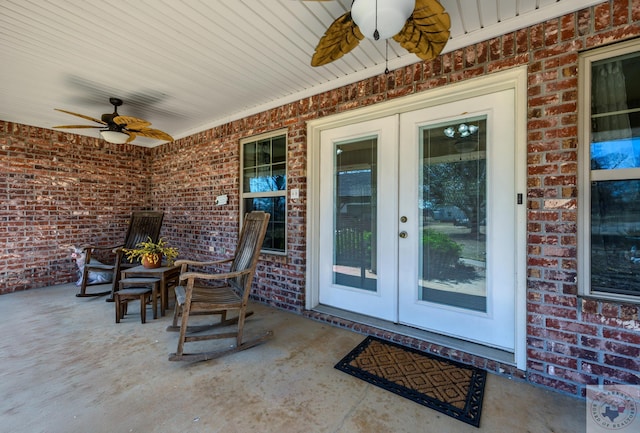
108 118
386 17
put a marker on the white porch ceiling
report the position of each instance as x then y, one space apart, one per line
189 65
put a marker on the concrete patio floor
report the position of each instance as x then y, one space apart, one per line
66 366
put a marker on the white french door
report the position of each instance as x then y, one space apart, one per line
417 218
358 165
457 253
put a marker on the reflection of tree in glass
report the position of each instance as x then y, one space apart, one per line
608 161
460 184
441 259
268 183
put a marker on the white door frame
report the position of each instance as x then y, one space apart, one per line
516 79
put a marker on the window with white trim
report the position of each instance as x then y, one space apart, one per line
609 199
263 184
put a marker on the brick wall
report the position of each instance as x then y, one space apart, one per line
58 190
188 174
571 341
569 338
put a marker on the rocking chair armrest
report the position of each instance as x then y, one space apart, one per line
91 247
117 249
197 263
206 276
185 264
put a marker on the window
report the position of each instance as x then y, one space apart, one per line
264 184
609 220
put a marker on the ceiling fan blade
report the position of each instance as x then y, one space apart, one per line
77 126
153 133
132 126
342 36
426 32
93 119
131 122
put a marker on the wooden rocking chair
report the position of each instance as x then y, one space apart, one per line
223 292
142 225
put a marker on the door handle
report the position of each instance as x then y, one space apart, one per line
403 234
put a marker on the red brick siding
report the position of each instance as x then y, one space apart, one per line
57 190
571 341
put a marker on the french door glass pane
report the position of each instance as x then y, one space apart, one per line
355 192
452 185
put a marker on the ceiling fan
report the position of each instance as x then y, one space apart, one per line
119 129
421 27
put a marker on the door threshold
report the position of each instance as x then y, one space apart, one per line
472 348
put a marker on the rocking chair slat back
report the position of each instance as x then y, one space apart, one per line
252 234
143 225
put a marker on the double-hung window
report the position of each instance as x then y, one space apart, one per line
264 184
609 198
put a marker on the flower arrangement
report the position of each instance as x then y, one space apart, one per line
152 253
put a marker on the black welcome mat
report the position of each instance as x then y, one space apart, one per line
450 387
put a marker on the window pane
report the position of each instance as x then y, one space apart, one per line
615 237
263 152
609 155
279 177
615 113
249 155
262 182
279 152
355 195
249 175
453 182
275 237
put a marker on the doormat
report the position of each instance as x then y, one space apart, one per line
450 387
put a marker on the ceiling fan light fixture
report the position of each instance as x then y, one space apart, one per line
114 137
387 17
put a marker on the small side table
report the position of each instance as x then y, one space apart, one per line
122 297
129 285
168 276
